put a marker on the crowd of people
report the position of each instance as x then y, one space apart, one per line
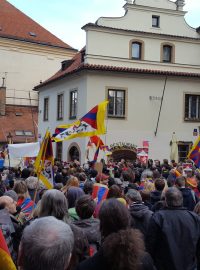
127 216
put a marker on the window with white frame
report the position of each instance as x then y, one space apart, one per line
46 109
192 107
116 106
60 106
73 104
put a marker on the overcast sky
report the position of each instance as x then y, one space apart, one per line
64 18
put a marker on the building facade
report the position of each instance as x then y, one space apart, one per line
147 63
29 54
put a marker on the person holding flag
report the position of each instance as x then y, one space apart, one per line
44 162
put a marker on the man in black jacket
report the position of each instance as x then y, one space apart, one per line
189 198
140 213
173 237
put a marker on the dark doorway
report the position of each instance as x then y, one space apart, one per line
74 153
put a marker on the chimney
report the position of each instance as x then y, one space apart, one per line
180 4
2 99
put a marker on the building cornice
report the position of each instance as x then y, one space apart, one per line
42 44
16 45
92 26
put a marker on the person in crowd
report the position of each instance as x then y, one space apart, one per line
147 181
73 194
189 198
24 200
72 182
155 195
2 186
82 179
122 247
54 203
85 207
88 187
145 194
33 184
191 182
47 243
173 235
11 223
140 213
114 192
197 209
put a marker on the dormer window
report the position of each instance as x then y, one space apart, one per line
137 50
155 21
32 34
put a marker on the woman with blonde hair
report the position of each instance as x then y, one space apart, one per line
72 182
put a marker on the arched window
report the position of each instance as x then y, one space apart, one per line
167 53
136 50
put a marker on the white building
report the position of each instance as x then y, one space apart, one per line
147 63
28 54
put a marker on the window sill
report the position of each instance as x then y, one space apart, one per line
191 120
117 117
137 59
72 118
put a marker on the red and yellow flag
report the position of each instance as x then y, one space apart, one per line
6 262
45 159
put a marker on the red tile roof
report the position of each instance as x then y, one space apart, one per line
78 65
16 25
25 121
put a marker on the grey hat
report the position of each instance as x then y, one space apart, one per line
12 194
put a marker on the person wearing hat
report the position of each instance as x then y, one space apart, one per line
191 182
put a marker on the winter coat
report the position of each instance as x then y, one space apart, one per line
173 239
141 215
188 198
91 228
98 262
155 196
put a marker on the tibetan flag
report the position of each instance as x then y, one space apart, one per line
89 125
6 262
194 153
44 162
100 192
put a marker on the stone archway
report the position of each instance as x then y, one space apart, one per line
74 152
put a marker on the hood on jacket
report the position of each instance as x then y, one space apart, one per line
139 210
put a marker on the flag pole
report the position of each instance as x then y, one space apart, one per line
38 176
